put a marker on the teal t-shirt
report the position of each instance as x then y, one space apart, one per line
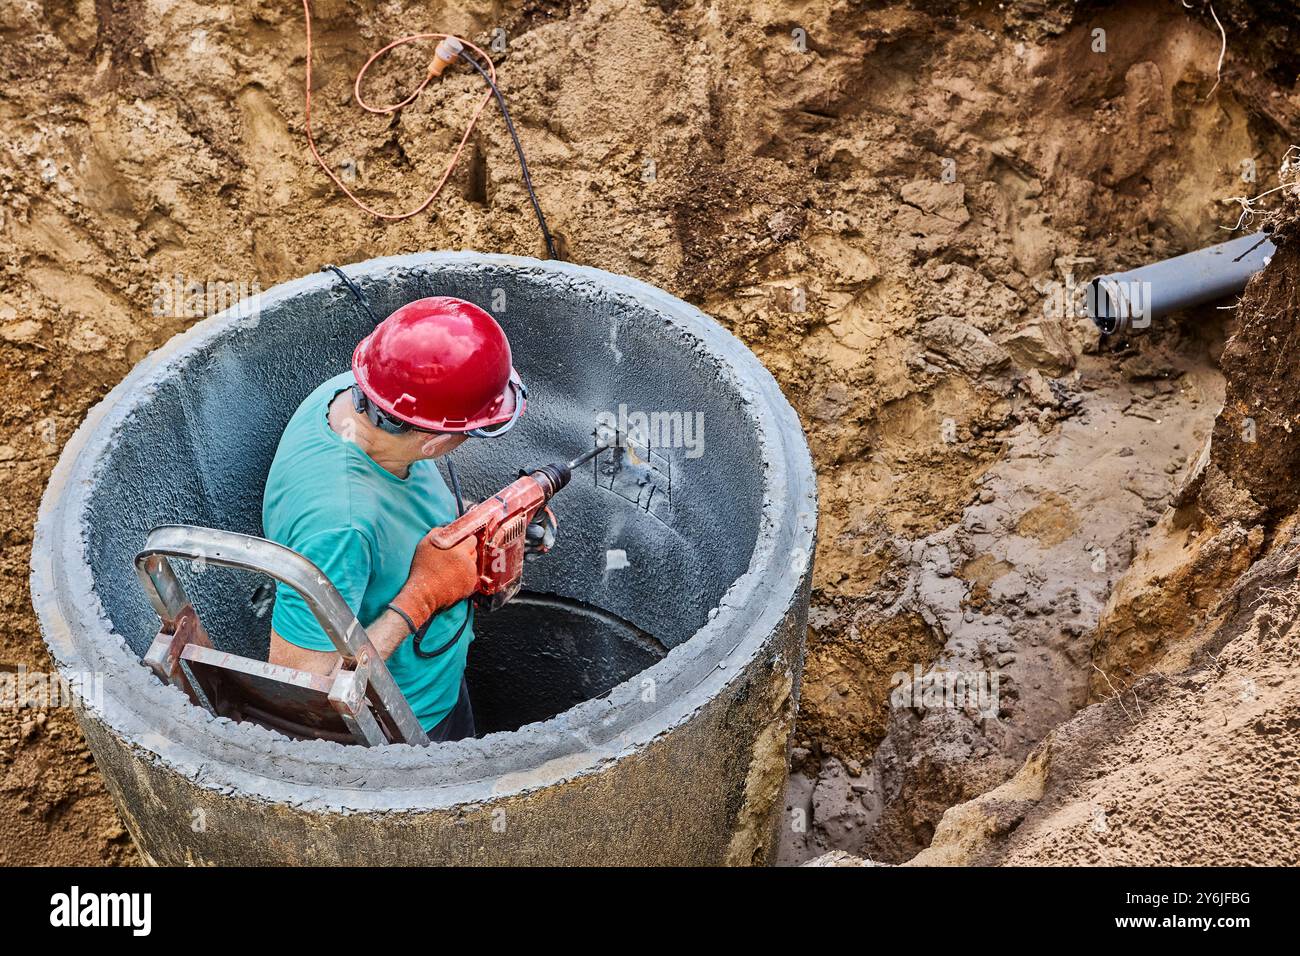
329 501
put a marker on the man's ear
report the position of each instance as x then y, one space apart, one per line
441 444
431 446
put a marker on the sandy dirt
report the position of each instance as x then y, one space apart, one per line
1189 753
885 203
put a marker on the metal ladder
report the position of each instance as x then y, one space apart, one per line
358 702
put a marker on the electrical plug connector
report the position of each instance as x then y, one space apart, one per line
444 55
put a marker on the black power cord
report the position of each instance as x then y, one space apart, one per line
519 150
352 287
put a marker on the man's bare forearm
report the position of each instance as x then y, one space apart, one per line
386 632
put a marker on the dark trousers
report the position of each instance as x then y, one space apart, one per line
459 722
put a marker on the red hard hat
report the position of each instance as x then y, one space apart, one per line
441 364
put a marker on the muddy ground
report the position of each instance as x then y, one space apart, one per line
890 203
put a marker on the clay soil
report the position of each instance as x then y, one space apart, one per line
888 202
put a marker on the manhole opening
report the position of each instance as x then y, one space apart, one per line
542 654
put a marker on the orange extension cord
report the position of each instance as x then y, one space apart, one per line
356 89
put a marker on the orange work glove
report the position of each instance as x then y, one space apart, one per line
438 579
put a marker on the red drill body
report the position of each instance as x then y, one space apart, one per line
500 525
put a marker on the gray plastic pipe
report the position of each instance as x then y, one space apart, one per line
1130 300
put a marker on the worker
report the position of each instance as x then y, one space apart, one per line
355 489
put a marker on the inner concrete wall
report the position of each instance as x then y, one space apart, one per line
198 452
